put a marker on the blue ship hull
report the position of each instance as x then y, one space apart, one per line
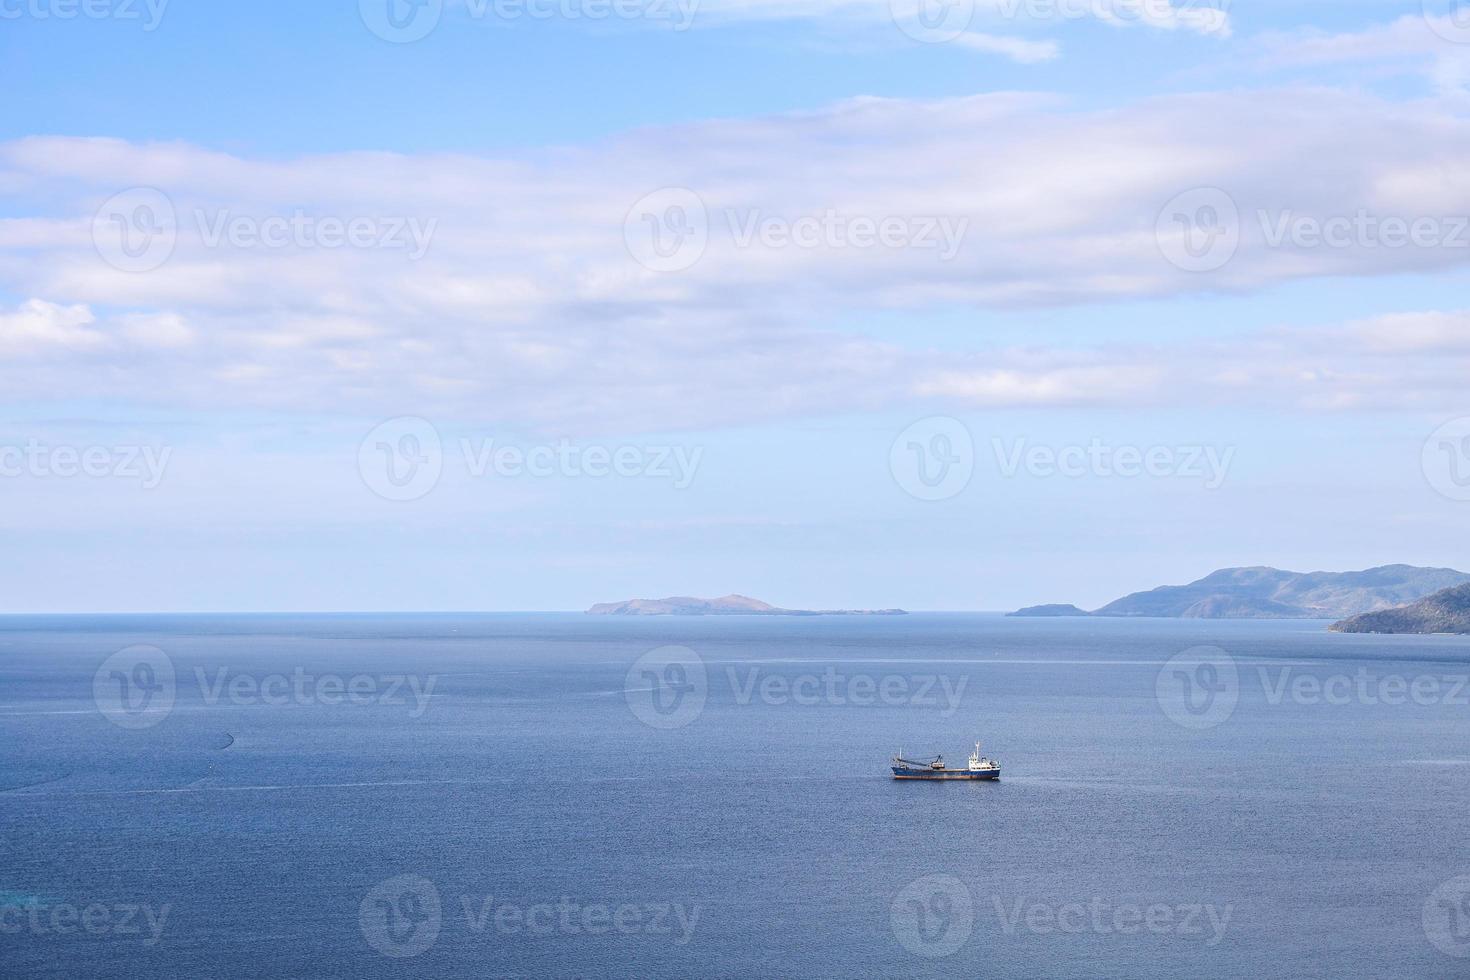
907 772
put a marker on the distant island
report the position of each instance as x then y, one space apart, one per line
1055 609
1443 612
730 605
1270 593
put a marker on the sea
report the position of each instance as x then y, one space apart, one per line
565 795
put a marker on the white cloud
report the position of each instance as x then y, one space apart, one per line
1018 50
1190 15
1409 36
1402 361
528 304
1430 332
1417 43
39 326
1054 386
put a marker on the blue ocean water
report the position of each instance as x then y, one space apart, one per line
523 796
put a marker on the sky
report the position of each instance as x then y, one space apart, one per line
531 304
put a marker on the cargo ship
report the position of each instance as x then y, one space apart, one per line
979 768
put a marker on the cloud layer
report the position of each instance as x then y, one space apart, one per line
707 274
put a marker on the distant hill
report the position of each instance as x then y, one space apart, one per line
730 605
1443 612
1055 609
1270 593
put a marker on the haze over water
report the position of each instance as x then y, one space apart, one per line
520 795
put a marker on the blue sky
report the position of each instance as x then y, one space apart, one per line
583 236
283 78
